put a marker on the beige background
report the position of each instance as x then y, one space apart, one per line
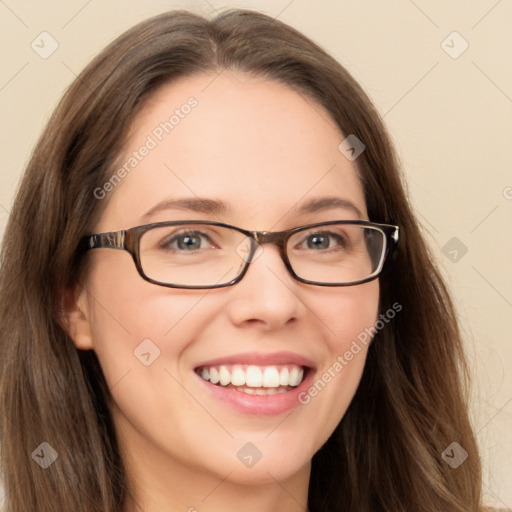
450 118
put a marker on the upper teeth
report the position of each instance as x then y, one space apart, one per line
253 376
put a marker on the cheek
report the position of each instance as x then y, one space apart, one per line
140 333
348 313
349 317
131 317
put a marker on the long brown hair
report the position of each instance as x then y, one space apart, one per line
411 404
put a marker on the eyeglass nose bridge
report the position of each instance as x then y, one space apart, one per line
259 238
270 237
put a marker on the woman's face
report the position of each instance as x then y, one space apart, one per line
268 155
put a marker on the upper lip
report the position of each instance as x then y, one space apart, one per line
260 359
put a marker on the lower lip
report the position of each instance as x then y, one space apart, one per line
259 405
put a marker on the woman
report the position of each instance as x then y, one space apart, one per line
161 350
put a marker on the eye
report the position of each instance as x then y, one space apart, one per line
187 241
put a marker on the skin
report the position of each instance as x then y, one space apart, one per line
264 150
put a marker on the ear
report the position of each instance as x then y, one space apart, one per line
76 316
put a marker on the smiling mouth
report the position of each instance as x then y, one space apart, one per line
254 380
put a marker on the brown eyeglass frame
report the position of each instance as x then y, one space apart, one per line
129 240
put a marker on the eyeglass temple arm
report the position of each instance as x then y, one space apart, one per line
395 235
114 240
395 238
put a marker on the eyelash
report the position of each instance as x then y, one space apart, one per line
168 242
174 237
342 241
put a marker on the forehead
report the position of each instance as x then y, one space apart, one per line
254 144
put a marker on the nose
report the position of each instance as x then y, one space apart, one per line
267 296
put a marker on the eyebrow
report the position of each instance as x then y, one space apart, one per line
328 203
213 206
192 204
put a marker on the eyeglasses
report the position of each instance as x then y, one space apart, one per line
203 255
